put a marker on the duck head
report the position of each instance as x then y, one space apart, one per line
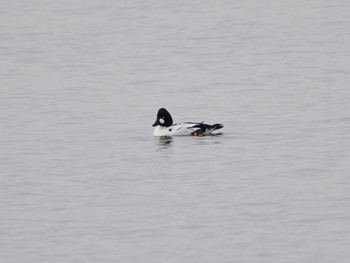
163 118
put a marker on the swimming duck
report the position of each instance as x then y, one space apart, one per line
165 127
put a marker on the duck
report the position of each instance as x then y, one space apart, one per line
164 126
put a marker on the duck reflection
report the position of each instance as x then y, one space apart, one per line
165 142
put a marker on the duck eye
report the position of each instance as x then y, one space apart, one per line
161 121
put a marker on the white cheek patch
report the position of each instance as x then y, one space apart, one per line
161 121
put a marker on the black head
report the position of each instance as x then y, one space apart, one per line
163 118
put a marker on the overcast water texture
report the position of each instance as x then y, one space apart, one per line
83 179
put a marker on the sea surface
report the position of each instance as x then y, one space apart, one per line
83 179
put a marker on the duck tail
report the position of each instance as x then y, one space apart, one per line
216 126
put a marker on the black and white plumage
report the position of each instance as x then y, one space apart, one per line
165 127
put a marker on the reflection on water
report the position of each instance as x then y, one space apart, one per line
215 138
165 142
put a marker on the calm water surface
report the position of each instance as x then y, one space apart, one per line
82 179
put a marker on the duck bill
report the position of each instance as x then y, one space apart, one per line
155 124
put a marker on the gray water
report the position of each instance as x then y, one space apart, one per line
84 180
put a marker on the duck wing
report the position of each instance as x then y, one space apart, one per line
184 128
206 129
194 128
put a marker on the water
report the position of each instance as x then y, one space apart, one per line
84 180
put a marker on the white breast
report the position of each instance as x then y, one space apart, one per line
161 131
